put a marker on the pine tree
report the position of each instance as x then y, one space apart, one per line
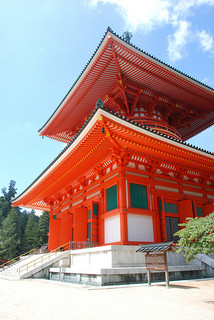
23 223
10 194
5 207
6 199
1 217
14 214
31 236
43 228
10 236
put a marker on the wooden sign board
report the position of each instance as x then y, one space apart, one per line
156 261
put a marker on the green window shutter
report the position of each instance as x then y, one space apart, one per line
138 194
54 217
95 209
160 204
199 212
89 214
170 207
111 198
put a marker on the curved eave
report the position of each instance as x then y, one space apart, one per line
89 147
44 129
94 82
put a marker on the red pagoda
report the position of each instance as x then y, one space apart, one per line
126 175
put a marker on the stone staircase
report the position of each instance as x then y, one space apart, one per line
32 265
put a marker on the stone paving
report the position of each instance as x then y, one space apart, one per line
40 299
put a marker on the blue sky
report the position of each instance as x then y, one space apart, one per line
45 44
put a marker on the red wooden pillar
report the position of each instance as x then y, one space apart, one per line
54 232
101 220
156 217
66 228
101 231
80 224
122 204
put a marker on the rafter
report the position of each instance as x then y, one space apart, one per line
155 75
120 80
107 132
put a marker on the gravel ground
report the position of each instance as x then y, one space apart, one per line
40 299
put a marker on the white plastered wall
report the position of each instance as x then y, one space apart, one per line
112 229
140 228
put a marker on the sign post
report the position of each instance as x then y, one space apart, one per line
157 262
156 258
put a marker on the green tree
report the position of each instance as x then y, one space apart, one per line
23 223
1 217
197 236
43 228
10 233
23 220
31 235
5 207
14 214
8 196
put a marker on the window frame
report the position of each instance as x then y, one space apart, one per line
106 202
147 194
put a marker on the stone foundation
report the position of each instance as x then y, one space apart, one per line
110 265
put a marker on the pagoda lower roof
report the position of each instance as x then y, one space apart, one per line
114 55
91 146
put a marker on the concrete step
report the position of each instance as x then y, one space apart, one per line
33 264
36 268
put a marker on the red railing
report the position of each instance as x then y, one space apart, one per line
75 245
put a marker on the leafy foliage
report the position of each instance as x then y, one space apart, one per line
197 236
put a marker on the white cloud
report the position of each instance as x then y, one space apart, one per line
147 15
206 40
177 41
138 14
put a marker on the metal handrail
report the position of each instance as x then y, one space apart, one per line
71 245
63 247
43 258
14 260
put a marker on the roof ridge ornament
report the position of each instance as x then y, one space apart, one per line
127 36
100 104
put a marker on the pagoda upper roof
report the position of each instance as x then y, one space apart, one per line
146 71
90 147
